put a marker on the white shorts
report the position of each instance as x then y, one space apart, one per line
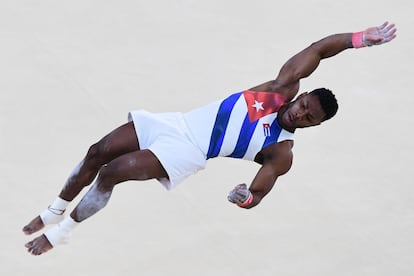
168 137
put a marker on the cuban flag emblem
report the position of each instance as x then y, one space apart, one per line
260 104
266 130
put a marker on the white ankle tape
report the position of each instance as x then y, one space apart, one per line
54 213
48 217
61 233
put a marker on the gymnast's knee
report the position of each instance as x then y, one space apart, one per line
107 177
95 157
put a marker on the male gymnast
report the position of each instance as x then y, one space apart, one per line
257 124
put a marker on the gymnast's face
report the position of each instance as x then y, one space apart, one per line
305 111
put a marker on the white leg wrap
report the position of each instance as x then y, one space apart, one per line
48 217
54 213
61 233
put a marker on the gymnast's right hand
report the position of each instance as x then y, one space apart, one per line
239 195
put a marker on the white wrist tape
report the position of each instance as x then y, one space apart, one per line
61 233
54 213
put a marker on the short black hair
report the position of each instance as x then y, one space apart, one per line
328 101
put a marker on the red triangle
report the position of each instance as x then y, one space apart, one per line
271 103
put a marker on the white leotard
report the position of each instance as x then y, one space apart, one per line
239 126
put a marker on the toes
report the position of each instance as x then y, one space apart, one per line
29 244
38 246
30 247
36 252
27 230
35 225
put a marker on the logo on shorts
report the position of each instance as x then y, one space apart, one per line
266 130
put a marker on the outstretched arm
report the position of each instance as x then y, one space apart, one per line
305 62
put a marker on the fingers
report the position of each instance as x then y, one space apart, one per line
390 34
241 186
379 35
238 194
383 25
387 31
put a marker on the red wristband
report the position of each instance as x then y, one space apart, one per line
357 40
247 202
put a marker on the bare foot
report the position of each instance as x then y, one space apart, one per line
35 225
38 246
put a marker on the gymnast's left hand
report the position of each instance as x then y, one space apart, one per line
379 35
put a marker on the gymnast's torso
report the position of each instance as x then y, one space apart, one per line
239 126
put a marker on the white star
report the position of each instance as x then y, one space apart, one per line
258 105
